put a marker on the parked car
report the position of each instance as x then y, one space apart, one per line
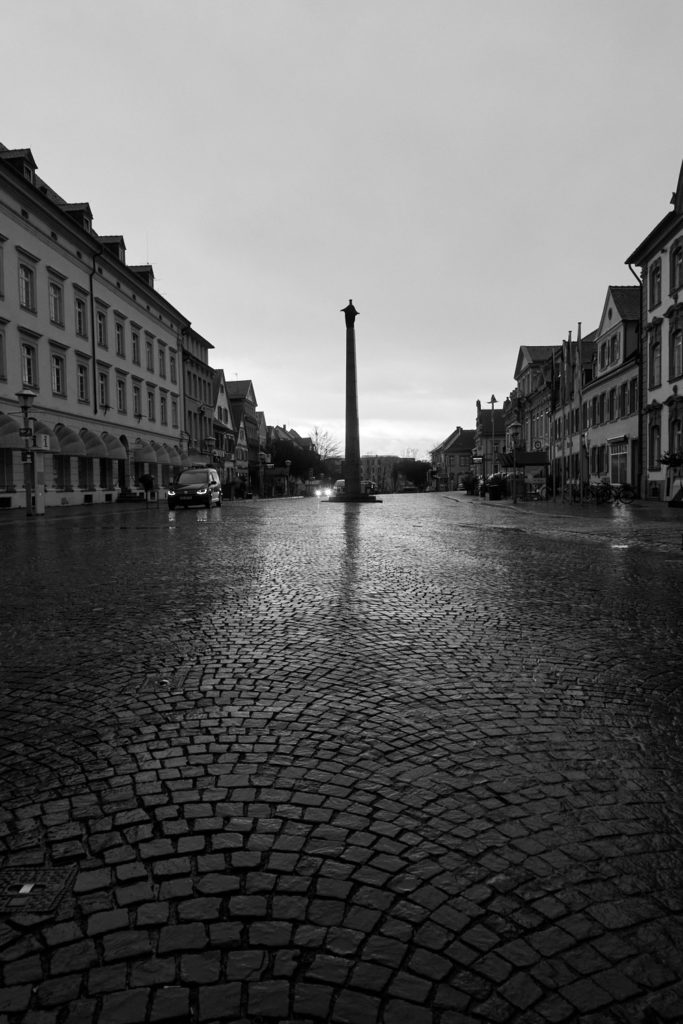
195 487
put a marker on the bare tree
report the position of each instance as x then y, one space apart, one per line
327 446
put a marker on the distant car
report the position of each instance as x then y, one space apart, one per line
195 487
323 492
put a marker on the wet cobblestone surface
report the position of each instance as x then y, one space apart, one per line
417 763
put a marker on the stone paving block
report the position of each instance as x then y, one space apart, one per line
219 1002
355 1008
247 965
58 991
81 1011
18 972
313 1000
268 999
15 998
586 996
126 945
107 921
170 1003
200 969
399 1012
106 979
126 1007
152 972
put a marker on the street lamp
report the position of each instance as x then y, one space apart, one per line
514 437
492 402
26 399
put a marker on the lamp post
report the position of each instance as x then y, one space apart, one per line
492 402
26 399
514 437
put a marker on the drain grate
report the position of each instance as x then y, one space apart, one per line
33 890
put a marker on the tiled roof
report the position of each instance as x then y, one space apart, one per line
627 300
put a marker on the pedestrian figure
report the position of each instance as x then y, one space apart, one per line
147 481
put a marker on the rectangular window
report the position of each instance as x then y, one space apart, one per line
101 329
162 362
137 401
677 354
85 474
612 404
29 365
623 400
6 469
172 365
603 355
120 395
27 287
120 339
81 319
149 349
163 410
655 284
656 360
633 394
135 344
103 388
151 411
56 303
82 382
58 374
174 412
614 348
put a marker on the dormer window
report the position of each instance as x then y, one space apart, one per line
28 172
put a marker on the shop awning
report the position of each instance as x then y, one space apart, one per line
507 460
94 445
115 450
69 441
9 432
40 428
174 456
143 452
161 453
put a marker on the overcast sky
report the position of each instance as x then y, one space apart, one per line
472 173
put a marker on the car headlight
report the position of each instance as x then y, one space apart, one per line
202 490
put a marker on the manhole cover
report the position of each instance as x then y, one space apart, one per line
33 890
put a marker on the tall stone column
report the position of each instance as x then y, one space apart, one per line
352 478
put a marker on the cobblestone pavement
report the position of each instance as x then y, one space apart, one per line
417 763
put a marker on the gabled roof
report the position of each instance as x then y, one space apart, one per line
626 302
461 440
671 220
532 354
241 391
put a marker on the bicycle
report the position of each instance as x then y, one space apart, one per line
623 493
